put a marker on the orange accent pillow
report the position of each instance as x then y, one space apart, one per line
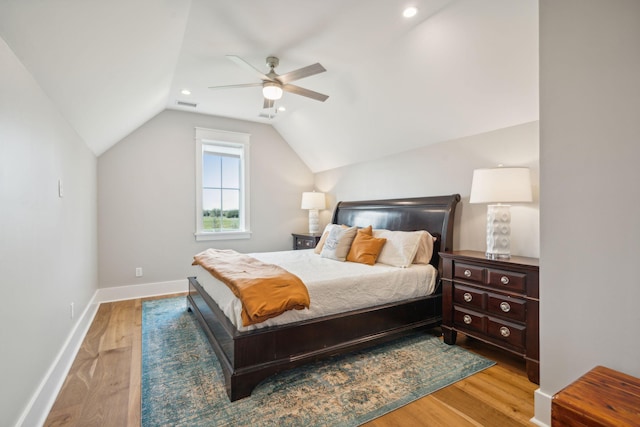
365 248
367 230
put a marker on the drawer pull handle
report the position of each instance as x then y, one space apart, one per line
504 306
467 297
467 319
467 273
504 331
504 280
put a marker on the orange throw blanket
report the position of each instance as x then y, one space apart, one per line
265 290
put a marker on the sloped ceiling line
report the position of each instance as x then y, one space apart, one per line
460 67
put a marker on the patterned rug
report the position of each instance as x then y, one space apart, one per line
182 384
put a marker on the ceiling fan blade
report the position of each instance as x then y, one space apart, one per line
300 73
236 86
268 103
305 92
244 64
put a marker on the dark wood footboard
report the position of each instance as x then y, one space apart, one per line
249 357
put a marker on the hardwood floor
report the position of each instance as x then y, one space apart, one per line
103 384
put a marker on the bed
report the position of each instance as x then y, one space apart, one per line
249 356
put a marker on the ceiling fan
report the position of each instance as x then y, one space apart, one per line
273 84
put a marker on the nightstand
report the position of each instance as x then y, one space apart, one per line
305 240
495 301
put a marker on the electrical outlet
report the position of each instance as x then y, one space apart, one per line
139 272
71 311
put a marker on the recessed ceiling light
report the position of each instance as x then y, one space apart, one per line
281 108
410 12
185 92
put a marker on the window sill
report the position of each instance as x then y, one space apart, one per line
202 236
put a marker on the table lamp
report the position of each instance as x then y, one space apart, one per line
498 186
313 202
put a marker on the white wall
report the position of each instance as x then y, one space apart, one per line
447 168
48 245
146 198
590 214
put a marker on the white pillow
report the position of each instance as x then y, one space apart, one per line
425 248
323 238
400 248
338 243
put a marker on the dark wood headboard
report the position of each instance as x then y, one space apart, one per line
434 214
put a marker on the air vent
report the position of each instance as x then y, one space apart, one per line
186 104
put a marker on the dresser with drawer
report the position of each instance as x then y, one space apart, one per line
305 240
495 301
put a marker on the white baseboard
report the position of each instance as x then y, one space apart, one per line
542 405
120 293
42 400
36 411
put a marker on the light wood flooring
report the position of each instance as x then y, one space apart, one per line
103 384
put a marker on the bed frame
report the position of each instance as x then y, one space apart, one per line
248 357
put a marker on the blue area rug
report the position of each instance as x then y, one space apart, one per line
182 384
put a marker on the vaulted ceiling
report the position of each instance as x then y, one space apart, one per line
458 68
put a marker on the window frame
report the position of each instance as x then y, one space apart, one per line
206 138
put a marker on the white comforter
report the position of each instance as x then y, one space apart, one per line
333 286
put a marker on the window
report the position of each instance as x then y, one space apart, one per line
222 185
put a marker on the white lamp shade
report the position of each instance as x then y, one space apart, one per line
313 200
272 91
501 185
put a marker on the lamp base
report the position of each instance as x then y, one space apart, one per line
489 255
498 232
314 221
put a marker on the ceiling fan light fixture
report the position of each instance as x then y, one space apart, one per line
272 91
410 12
274 84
